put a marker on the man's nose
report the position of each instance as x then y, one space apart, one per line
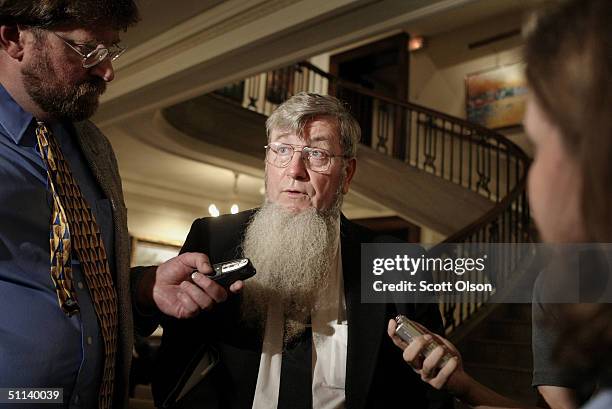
104 69
297 168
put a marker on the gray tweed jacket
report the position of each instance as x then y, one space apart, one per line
103 164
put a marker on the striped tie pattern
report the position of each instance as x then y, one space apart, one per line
74 227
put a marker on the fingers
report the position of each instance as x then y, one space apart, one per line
195 261
396 339
188 307
181 293
432 363
445 373
202 294
206 286
449 345
194 297
391 328
430 368
414 353
237 286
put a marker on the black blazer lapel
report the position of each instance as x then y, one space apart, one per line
364 320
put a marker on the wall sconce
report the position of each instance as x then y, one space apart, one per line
416 43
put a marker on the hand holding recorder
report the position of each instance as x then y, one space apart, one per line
439 364
187 284
435 359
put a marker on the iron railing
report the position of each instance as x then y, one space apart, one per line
451 148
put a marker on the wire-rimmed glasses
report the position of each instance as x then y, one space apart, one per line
316 159
93 56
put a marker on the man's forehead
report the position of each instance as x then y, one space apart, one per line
315 130
99 34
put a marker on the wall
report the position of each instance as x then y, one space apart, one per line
438 72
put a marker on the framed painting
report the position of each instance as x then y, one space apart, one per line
150 253
496 98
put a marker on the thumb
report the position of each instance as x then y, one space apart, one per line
195 261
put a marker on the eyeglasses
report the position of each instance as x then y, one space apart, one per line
93 56
316 159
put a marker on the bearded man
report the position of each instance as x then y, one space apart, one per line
298 335
66 290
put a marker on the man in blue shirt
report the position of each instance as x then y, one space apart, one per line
55 61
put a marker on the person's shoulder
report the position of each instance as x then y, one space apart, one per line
226 221
364 234
218 235
602 400
90 134
349 229
87 127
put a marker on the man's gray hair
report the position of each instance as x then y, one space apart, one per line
293 115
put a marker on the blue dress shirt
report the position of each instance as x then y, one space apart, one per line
40 346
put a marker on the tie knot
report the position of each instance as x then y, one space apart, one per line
41 127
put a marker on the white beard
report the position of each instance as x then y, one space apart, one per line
292 253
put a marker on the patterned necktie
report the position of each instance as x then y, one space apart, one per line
74 227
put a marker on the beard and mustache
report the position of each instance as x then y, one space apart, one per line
293 253
61 100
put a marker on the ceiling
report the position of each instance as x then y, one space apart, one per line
183 49
470 13
158 16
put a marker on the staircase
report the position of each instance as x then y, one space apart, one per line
497 352
458 178
427 200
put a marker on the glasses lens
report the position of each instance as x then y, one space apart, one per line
317 159
280 154
95 57
115 52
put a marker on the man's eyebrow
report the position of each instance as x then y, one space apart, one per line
95 42
318 138
282 135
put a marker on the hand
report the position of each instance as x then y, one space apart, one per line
448 375
179 292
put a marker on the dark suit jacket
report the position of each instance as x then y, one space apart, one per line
376 375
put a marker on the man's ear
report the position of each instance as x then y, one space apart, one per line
11 41
351 166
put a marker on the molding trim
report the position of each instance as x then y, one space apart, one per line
200 63
199 40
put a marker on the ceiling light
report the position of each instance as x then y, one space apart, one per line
212 209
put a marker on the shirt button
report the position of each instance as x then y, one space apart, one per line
80 285
89 340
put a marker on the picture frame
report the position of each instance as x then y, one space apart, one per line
150 253
496 98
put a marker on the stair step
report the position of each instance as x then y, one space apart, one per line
508 368
497 353
140 404
499 341
509 321
520 312
506 330
143 392
510 381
